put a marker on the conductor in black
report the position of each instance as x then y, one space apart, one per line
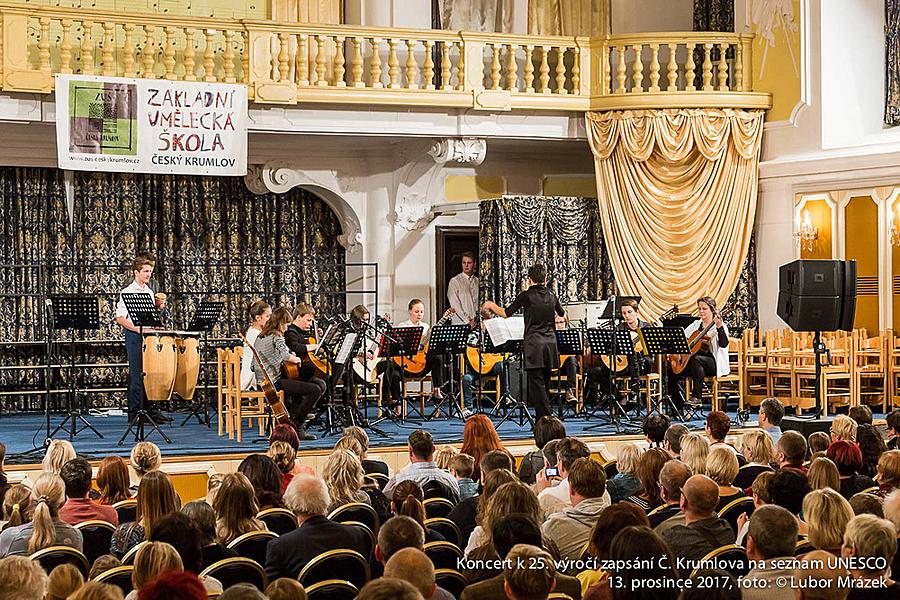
540 307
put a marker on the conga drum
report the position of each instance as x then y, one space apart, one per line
160 361
188 364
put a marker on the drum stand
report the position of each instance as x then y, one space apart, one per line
204 320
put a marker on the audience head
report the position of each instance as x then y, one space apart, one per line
549 452
717 425
492 482
145 458
587 479
411 564
443 455
493 460
63 581
699 497
21 579
694 451
568 450
16 504
893 422
672 477
180 532
673 437
284 588
175 583
343 474
548 428
760 488
385 588
861 413
102 564
479 436
612 520
758 447
152 559
285 432
283 454
397 533
846 457
771 412
652 462
819 442
204 519
891 508
512 497
113 481
642 547
772 533
823 473
421 446
627 458
47 495
826 513
655 427
871 446
359 434
888 471
92 590
863 503
869 537
787 488
462 465
409 500
266 478
536 581
77 475
307 496
155 498
59 452
843 428
819 578
722 466
791 449
512 529
235 507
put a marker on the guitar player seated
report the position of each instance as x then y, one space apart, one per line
637 364
297 337
711 360
488 364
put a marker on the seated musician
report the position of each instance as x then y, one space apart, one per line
433 363
390 390
297 336
471 375
260 312
568 371
711 361
300 396
638 364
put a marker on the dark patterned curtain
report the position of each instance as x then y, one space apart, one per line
714 15
892 62
563 233
213 238
743 304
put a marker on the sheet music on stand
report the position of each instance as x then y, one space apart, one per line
569 341
75 312
610 341
142 309
500 330
346 350
206 316
450 339
403 341
664 340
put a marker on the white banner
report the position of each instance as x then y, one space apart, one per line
151 126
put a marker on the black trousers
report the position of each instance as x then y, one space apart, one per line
393 377
569 370
538 385
300 396
637 365
698 368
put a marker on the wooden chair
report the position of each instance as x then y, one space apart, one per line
733 383
419 393
893 358
870 371
754 368
650 387
243 404
836 380
489 385
779 365
231 571
349 563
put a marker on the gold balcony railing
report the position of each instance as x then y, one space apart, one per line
289 63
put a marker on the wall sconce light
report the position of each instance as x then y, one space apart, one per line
895 227
808 233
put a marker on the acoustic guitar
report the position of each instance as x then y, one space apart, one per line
621 362
364 366
321 365
697 342
485 363
279 412
416 364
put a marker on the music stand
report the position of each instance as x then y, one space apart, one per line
400 342
612 343
448 341
661 341
143 312
81 313
568 342
205 318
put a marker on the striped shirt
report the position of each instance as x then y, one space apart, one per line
272 352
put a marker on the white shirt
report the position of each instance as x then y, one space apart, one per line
555 499
723 366
462 292
121 309
248 381
422 324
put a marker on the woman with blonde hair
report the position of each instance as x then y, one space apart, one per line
285 457
153 559
156 498
760 454
59 452
625 482
443 455
236 508
722 467
826 514
343 474
64 580
98 591
16 503
888 474
694 450
512 497
112 479
843 428
145 458
45 528
823 473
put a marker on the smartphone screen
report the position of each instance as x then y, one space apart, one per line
551 472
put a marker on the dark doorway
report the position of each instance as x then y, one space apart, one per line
451 243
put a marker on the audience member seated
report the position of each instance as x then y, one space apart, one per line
422 468
22 579
465 513
343 474
58 453
153 559
694 452
818 442
284 432
112 479
16 504
509 531
672 478
760 490
285 589
369 465
266 479
76 475
63 581
236 509
180 532
771 412
790 451
649 467
512 497
871 541
92 590
395 534
826 514
893 429
843 428
703 531
654 429
625 483
612 520
672 439
45 529
718 424
411 564
848 460
184 586
204 518
387 589
722 467
155 499
308 498
145 458
861 413
643 556
532 583
891 508
771 538
409 502
819 578
871 446
787 489
102 564
864 503
461 467
759 450
823 473
479 438
554 498
570 529
285 458
546 428
888 473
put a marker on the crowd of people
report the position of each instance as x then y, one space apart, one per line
808 518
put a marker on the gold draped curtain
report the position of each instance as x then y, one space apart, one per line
677 193
568 17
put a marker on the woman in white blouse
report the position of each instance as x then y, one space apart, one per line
259 314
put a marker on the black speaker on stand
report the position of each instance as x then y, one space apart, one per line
818 295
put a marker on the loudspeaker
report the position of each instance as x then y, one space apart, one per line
805 426
817 295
